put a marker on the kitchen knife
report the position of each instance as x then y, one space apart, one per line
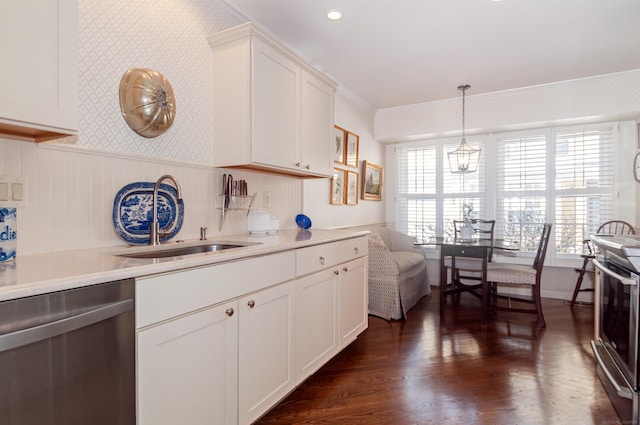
229 192
223 201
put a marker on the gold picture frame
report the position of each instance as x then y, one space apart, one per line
351 157
351 188
338 149
372 181
337 186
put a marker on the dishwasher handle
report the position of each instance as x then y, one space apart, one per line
49 330
629 281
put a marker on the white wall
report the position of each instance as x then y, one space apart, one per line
352 116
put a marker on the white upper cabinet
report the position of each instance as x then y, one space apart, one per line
38 69
272 111
316 124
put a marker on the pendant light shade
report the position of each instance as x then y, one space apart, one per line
464 159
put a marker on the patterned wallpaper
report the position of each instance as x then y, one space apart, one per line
607 97
166 35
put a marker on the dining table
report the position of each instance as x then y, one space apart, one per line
473 248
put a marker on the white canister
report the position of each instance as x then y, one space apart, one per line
8 234
259 221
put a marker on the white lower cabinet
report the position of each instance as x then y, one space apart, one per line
332 301
222 344
188 369
267 349
354 299
317 330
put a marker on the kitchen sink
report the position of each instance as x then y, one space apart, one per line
184 250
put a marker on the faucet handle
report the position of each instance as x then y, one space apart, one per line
203 233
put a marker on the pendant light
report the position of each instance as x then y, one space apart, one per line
464 159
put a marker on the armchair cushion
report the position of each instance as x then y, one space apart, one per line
407 261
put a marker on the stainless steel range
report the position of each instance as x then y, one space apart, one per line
617 306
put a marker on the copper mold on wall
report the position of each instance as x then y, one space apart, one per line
147 102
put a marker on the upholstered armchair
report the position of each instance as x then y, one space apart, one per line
397 274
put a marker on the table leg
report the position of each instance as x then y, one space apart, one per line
443 281
485 290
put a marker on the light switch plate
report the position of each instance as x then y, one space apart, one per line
16 191
4 191
13 191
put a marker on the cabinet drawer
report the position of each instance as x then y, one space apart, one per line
168 295
314 258
353 248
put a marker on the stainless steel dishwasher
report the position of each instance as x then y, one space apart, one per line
68 357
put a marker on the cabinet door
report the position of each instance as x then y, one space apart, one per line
317 317
354 299
275 106
316 125
266 349
187 369
38 74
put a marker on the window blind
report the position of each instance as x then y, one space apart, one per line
521 187
429 197
583 185
416 191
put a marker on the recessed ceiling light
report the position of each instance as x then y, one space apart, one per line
334 14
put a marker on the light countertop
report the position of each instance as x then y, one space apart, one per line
41 273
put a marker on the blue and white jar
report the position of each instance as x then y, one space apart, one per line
8 234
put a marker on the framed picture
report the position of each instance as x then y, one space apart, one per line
352 149
372 179
351 195
337 186
339 136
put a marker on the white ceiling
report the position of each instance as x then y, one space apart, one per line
401 52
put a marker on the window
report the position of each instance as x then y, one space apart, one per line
429 197
559 175
584 186
521 188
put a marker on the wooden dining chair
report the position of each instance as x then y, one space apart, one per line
612 227
518 275
471 267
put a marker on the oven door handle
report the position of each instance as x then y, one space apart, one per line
624 280
622 392
49 330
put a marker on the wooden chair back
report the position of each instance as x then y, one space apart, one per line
538 262
483 230
616 227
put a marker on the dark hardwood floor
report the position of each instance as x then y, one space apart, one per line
456 371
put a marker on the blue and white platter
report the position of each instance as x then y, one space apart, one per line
132 212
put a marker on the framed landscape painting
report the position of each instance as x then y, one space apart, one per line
372 179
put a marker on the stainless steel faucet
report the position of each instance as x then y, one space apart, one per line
154 228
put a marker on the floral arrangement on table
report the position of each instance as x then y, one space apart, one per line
467 213
467 230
